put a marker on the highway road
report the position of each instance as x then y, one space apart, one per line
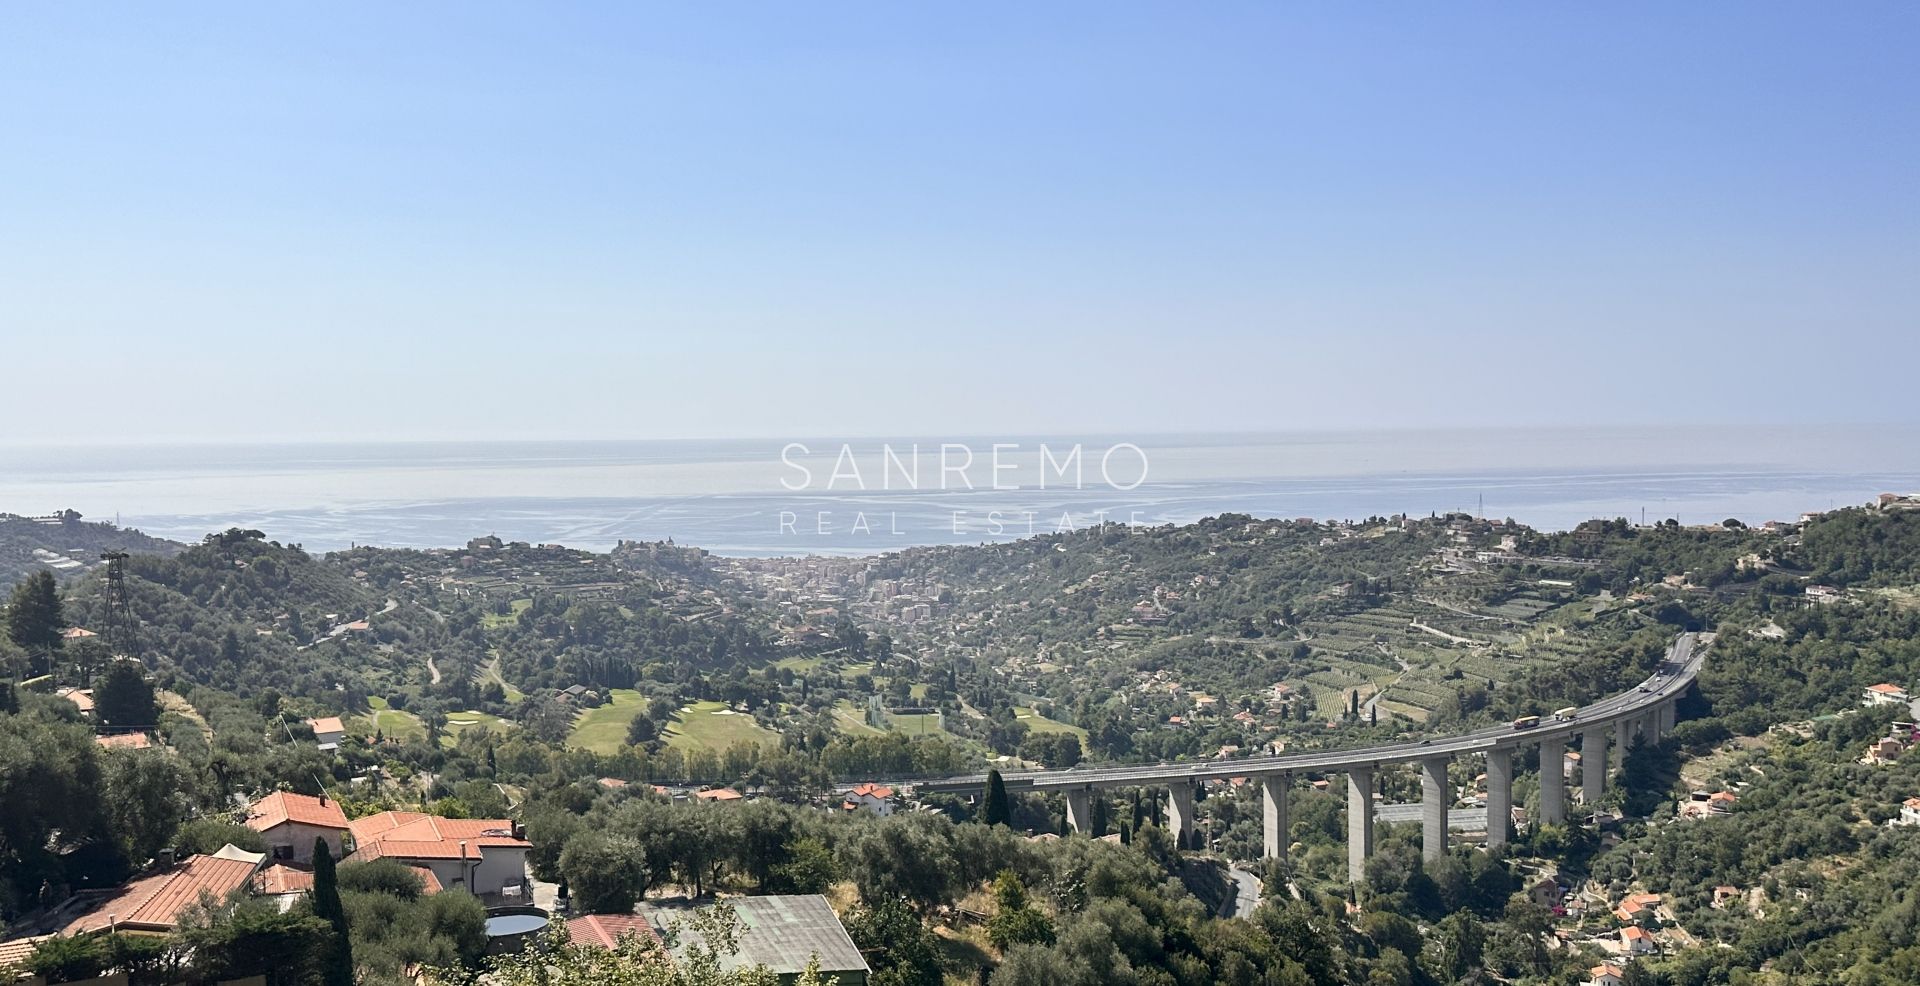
1675 673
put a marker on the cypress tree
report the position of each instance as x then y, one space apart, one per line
995 811
326 905
33 616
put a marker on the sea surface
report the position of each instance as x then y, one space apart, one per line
858 496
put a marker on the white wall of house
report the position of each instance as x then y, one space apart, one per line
486 871
879 806
294 841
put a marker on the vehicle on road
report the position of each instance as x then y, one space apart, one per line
1526 722
1567 713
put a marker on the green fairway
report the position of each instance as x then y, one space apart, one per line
713 726
1041 724
389 722
604 730
851 719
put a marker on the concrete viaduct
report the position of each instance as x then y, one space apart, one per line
1646 710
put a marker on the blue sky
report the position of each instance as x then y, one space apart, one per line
479 221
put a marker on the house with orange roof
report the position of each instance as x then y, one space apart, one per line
1606 974
82 699
1637 940
1909 812
291 822
153 903
328 731
1884 694
714 794
875 798
479 855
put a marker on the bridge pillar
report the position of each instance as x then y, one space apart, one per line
1180 817
1274 814
1593 764
1553 781
1667 714
1650 727
1499 795
1622 739
1436 798
1080 810
1359 821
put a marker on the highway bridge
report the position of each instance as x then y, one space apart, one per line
1646 711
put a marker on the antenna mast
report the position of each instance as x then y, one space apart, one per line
122 641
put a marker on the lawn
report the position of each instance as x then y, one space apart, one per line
494 621
852 719
713 726
1041 724
917 725
798 664
604 730
387 721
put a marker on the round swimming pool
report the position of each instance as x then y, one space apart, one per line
508 928
515 924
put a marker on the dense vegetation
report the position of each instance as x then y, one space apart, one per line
242 639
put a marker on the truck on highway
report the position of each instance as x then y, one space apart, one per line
1526 722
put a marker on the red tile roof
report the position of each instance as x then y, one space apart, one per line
412 835
330 724
283 879
872 791
718 794
606 930
154 903
281 807
126 741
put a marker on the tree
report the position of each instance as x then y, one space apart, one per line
995 812
1462 942
606 874
338 970
123 699
641 730
34 622
144 797
1016 921
902 950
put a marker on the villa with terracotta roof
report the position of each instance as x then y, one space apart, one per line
480 855
1606 974
1884 694
876 798
290 822
718 794
154 903
328 732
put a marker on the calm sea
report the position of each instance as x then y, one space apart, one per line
739 497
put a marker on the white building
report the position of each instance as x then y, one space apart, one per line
1909 812
1884 694
875 798
328 732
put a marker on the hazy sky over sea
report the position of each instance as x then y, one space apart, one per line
485 221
